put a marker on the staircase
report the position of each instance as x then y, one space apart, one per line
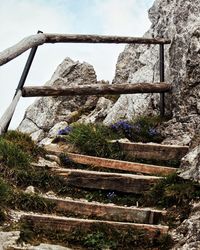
79 215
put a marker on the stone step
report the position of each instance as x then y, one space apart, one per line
109 212
121 165
153 151
127 183
58 224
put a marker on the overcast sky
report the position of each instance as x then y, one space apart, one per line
21 18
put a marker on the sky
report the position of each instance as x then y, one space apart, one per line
21 18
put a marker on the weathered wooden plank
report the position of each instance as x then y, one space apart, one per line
5 119
127 183
69 225
41 38
122 165
153 150
96 89
75 38
108 212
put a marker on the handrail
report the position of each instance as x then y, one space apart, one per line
32 42
96 89
40 39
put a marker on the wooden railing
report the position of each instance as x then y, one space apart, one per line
32 42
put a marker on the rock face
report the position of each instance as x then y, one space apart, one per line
45 112
179 21
187 234
190 165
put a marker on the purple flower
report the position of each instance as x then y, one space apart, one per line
152 132
111 195
65 131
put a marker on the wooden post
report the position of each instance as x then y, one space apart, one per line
5 119
162 78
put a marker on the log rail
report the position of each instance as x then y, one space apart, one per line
32 42
96 89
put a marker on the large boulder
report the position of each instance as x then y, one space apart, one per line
45 112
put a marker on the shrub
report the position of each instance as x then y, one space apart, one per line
5 192
11 155
94 140
24 142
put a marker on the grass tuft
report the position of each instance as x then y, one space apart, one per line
94 140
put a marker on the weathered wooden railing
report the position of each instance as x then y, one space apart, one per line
41 38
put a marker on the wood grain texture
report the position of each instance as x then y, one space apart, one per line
97 89
121 165
5 119
127 183
42 38
108 212
68 225
154 151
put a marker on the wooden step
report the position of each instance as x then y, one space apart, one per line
128 183
121 165
110 163
153 151
107 211
69 225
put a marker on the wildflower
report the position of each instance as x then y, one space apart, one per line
111 195
65 131
152 132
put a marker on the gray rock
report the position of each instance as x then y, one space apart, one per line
179 21
8 238
30 190
187 235
55 129
101 110
190 165
45 112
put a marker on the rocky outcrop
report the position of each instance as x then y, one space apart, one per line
45 112
179 21
190 165
187 234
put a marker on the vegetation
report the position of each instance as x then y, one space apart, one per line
93 139
17 151
98 237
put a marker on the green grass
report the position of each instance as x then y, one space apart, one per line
24 142
94 140
12 156
98 238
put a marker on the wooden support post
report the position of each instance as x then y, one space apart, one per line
162 78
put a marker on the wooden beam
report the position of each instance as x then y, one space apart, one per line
153 151
75 38
127 183
96 89
69 225
42 38
121 165
107 211
6 117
